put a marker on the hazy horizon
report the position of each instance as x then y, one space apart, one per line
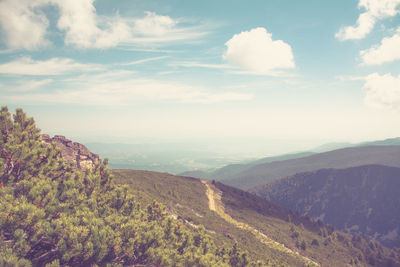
261 78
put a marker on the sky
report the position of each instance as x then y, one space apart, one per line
295 73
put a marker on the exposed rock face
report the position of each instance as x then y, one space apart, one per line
73 151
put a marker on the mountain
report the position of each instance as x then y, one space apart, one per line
233 169
54 213
267 231
338 145
387 142
341 158
332 146
363 199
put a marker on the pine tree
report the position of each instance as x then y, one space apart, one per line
53 214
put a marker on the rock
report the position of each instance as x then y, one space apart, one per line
73 151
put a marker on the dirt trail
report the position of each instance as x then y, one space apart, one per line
215 204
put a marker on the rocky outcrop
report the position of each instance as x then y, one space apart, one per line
73 151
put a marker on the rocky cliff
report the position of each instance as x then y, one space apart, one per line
73 151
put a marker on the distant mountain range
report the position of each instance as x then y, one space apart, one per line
363 199
341 158
354 188
337 145
237 172
232 169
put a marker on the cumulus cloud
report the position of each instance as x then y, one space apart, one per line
53 66
374 11
23 25
388 50
79 20
382 91
256 52
154 25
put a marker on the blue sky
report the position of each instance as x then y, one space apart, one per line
301 72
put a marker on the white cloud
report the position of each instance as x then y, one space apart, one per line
145 60
382 91
387 51
26 85
374 11
81 23
53 66
33 85
346 78
191 64
365 24
23 24
119 88
156 29
256 52
154 25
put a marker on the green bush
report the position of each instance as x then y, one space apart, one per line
52 214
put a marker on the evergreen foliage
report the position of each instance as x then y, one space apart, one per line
52 214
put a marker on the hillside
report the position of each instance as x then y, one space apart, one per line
341 158
52 213
362 199
253 222
55 212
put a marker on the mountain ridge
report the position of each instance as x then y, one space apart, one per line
341 158
228 171
362 199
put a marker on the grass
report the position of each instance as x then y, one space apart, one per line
186 197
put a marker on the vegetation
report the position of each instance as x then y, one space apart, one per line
52 214
310 238
362 199
186 198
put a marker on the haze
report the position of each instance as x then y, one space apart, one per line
229 76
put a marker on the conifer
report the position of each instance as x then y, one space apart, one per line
53 214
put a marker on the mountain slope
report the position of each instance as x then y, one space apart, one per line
362 199
52 213
215 204
187 199
341 158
